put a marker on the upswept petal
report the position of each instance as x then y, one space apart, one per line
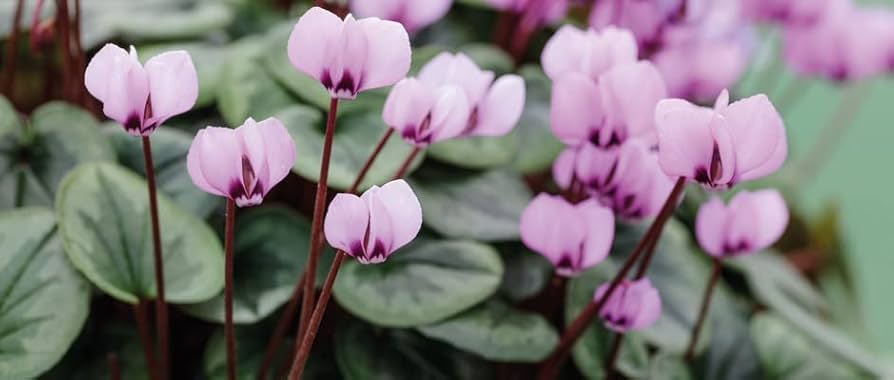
117 79
597 167
759 134
388 53
772 215
346 222
630 93
311 44
173 85
576 108
404 211
549 226
460 70
711 225
501 108
408 104
280 151
214 161
254 154
649 303
685 137
420 14
450 113
600 222
619 48
565 52
563 167
380 237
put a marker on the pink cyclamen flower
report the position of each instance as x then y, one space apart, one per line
423 114
723 146
645 19
242 164
618 106
640 186
372 226
141 97
496 106
787 12
593 167
413 14
572 237
348 56
587 52
634 305
751 222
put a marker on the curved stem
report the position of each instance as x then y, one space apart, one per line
315 319
139 313
610 372
407 163
228 290
161 307
703 312
317 225
289 311
589 313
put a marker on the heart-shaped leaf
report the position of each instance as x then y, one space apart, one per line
730 354
666 366
244 91
422 284
480 206
269 255
476 152
497 332
35 157
169 148
363 353
592 347
103 218
43 300
355 138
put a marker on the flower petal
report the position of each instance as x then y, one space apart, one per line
630 93
214 161
404 212
173 85
311 46
117 79
563 167
459 70
685 138
575 111
388 53
279 151
550 227
600 223
773 217
646 296
565 52
501 108
408 104
758 133
710 226
346 222
450 114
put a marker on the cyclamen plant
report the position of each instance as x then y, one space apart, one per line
620 205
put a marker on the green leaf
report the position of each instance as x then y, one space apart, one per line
104 224
43 300
169 148
244 91
269 255
497 332
174 22
785 353
363 353
355 138
251 342
88 358
208 59
476 152
526 274
730 354
33 159
422 284
481 206
538 146
489 57
592 348
666 366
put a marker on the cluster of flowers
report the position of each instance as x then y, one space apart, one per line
626 143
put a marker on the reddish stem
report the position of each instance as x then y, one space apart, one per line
161 307
228 290
139 313
589 313
65 48
407 163
313 256
612 357
12 47
314 323
114 367
703 311
289 310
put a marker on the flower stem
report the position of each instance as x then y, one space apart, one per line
315 319
114 366
289 311
316 231
589 313
228 290
307 339
407 162
610 372
703 312
161 307
139 313
12 44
